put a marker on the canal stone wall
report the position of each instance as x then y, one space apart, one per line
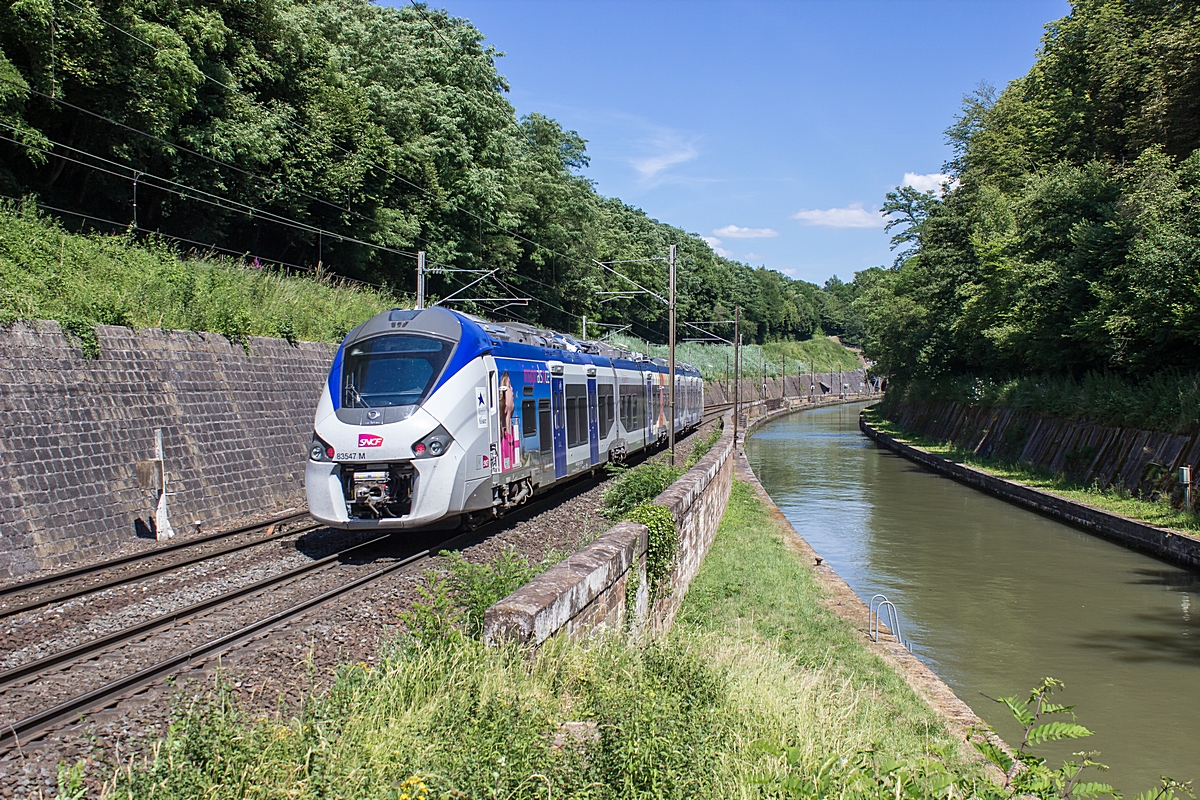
236 423
1174 546
604 585
1145 463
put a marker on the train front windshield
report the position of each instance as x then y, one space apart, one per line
392 370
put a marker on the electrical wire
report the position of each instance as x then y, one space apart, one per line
182 190
213 247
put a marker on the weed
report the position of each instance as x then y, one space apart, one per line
662 543
475 587
638 485
82 281
702 446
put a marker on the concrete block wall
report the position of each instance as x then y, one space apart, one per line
236 426
590 589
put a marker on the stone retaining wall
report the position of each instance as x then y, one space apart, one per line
72 430
592 588
1169 545
793 386
1143 462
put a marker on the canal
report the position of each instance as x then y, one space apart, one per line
994 598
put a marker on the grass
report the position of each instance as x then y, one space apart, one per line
712 359
1114 499
1166 401
760 613
82 281
760 691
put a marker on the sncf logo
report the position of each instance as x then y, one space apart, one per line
367 440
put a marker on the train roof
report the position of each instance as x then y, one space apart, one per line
505 339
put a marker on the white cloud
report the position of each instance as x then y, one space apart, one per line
852 216
734 232
667 149
753 257
928 183
715 244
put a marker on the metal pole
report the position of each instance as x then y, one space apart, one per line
420 279
737 368
585 329
671 359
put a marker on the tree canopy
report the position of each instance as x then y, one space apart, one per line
346 135
1069 238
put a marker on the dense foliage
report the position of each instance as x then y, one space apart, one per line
1069 239
282 127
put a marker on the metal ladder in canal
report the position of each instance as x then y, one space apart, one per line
893 623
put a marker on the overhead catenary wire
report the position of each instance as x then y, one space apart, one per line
209 246
182 190
190 151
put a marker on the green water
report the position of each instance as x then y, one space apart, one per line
993 598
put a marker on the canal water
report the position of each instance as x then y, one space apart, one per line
994 598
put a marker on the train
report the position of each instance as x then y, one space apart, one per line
437 418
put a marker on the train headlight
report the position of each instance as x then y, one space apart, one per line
433 445
320 450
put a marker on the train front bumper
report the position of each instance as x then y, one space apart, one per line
330 488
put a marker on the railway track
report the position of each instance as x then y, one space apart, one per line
32 594
64 687
29 686
20 731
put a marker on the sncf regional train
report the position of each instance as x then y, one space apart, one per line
434 417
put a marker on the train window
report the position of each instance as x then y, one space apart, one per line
527 391
546 440
528 418
633 413
577 419
605 396
395 370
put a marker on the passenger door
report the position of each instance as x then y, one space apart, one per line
593 421
558 411
493 420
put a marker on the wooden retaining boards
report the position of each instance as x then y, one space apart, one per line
1174 546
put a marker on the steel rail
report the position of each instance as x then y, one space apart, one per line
29 728
95 646
60 577
8 611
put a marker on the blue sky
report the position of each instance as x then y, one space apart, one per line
773 128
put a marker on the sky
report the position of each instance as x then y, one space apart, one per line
773 129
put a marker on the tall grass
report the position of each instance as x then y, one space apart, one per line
1166 401
821 352
83 280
